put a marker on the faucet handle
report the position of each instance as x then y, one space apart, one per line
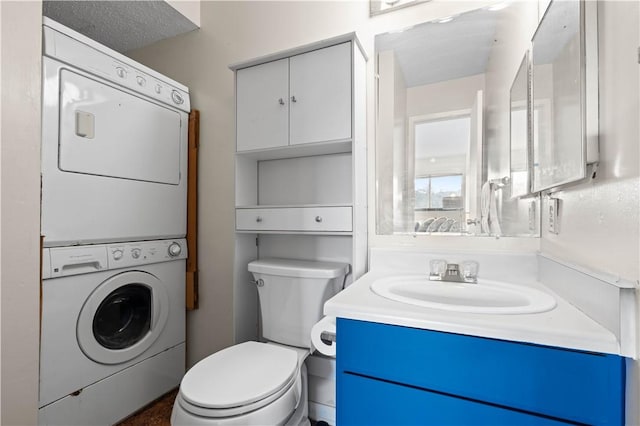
437 268
470 270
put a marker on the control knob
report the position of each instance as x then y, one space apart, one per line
117 254
135 253
174 249
177 97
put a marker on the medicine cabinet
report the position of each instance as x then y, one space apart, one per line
565 95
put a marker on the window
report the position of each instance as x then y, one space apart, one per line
439 192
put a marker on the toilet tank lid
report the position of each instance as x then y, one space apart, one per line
299 268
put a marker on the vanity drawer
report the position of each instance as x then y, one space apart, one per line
375 403
564 384
301 219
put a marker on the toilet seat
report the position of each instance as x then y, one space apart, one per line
239 379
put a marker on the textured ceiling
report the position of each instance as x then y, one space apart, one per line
433 52
120 25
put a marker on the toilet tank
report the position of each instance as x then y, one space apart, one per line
292 295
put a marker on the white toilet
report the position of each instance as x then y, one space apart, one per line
256 383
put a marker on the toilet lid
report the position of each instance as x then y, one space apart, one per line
239 375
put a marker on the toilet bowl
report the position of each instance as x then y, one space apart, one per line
247 384
255 383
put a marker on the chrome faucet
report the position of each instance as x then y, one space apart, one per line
450 272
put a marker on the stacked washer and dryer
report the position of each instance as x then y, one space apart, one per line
114 169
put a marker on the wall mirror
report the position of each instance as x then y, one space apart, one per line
519 119
429 125
565 92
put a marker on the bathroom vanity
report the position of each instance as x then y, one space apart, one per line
400 375
402 363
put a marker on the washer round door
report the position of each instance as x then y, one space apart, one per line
123 317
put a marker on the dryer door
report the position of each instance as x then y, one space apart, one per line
109 132
123 317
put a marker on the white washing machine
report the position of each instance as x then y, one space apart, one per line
114 145
113 329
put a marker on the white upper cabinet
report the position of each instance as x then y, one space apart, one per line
320 95
302 99
262 117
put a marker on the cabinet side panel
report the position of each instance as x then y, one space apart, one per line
359 154
246 181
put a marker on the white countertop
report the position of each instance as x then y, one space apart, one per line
563 326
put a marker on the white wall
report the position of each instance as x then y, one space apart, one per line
233 32
20 209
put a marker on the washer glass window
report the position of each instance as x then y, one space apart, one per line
124 317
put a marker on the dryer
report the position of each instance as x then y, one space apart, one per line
114 145
113 329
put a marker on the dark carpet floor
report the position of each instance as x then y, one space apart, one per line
158 413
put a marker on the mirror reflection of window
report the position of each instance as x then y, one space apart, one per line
435 193
441 155
441 147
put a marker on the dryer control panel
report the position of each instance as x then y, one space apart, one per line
76 260
71 47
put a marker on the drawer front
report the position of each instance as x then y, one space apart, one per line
369 402
303 219
565 384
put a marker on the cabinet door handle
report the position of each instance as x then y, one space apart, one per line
293 99
318 219
281 101
258 219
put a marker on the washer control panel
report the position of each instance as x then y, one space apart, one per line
76 260
143 252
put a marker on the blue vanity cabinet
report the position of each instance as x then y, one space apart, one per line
392 375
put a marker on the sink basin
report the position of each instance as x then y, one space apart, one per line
485 297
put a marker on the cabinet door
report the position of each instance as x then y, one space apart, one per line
320 93
262 107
